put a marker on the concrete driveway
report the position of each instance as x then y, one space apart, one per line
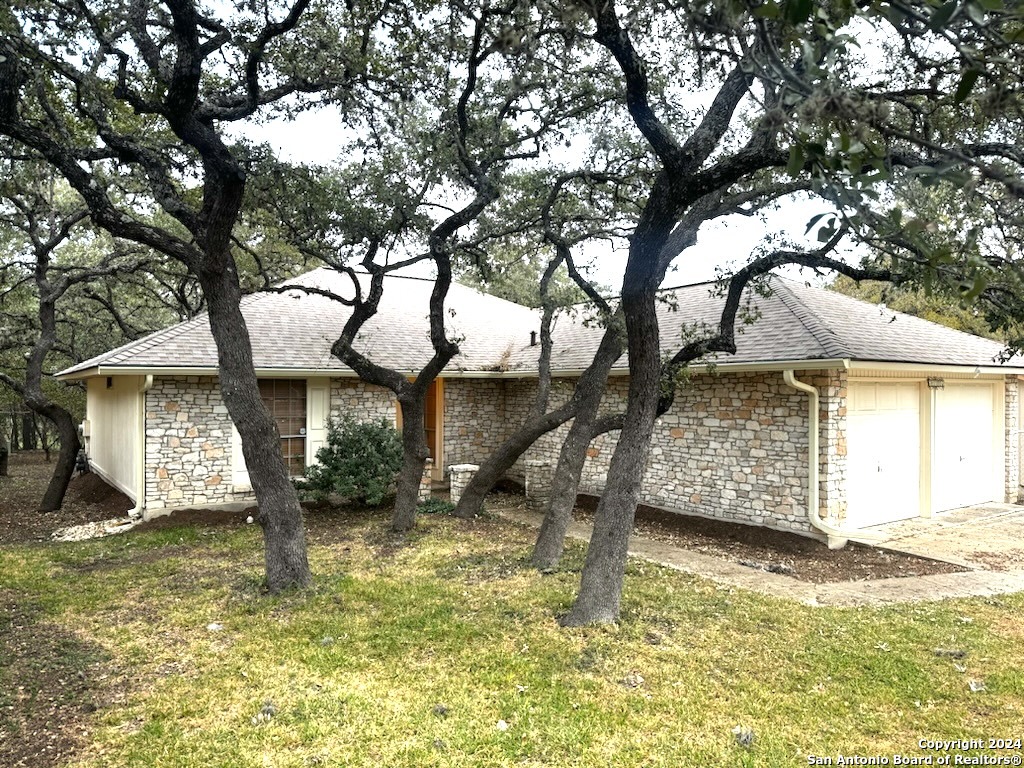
987 537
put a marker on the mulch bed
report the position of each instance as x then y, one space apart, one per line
88 499
775 551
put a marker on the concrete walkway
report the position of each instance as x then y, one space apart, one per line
984 537
977 583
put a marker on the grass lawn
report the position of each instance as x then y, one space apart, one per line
441 648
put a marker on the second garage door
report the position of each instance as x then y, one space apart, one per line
965 466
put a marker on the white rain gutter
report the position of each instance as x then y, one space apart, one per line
140 468
837 537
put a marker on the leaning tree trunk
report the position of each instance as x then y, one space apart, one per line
547 552
41 405
590 386
503 458
414 457
67 431
600 592
280 515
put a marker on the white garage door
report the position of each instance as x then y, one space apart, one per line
883 465
966 468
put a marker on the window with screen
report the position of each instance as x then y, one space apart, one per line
286 401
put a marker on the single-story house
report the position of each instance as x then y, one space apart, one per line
902 417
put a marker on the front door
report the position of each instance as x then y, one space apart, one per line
433 417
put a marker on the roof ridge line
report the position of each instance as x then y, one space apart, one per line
809 320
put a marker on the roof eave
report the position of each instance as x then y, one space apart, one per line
770 365
981 370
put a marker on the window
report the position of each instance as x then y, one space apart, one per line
286 401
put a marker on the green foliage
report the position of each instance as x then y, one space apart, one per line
434 506
359 462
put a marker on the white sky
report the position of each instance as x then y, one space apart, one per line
317 138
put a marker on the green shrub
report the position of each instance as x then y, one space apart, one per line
359 462
434 506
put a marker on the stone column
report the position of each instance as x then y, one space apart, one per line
460 475
426 480
538 483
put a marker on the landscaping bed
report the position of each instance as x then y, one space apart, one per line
775 551
90 499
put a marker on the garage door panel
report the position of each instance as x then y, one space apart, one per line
862 398
883 453
965 465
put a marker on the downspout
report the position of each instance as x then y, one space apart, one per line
140 467
837 537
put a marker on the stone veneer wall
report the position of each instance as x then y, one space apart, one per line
733 446
1012 425
474 419
188 444
832 392
188 437
366 402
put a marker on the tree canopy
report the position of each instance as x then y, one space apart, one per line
471 131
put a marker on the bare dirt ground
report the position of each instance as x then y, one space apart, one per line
88 499
775 551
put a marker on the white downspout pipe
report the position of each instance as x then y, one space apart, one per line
837 537
140 466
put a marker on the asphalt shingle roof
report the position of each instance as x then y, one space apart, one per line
795 322
295 330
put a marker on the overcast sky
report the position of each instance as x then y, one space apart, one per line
315 138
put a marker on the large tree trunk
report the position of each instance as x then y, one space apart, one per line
28 431
15 438
504 456
414 458
5 451
36 399
601 583
67 431
547 552
280 515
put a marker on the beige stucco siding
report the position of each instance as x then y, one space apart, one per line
114 437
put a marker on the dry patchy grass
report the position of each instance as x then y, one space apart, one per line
414 650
